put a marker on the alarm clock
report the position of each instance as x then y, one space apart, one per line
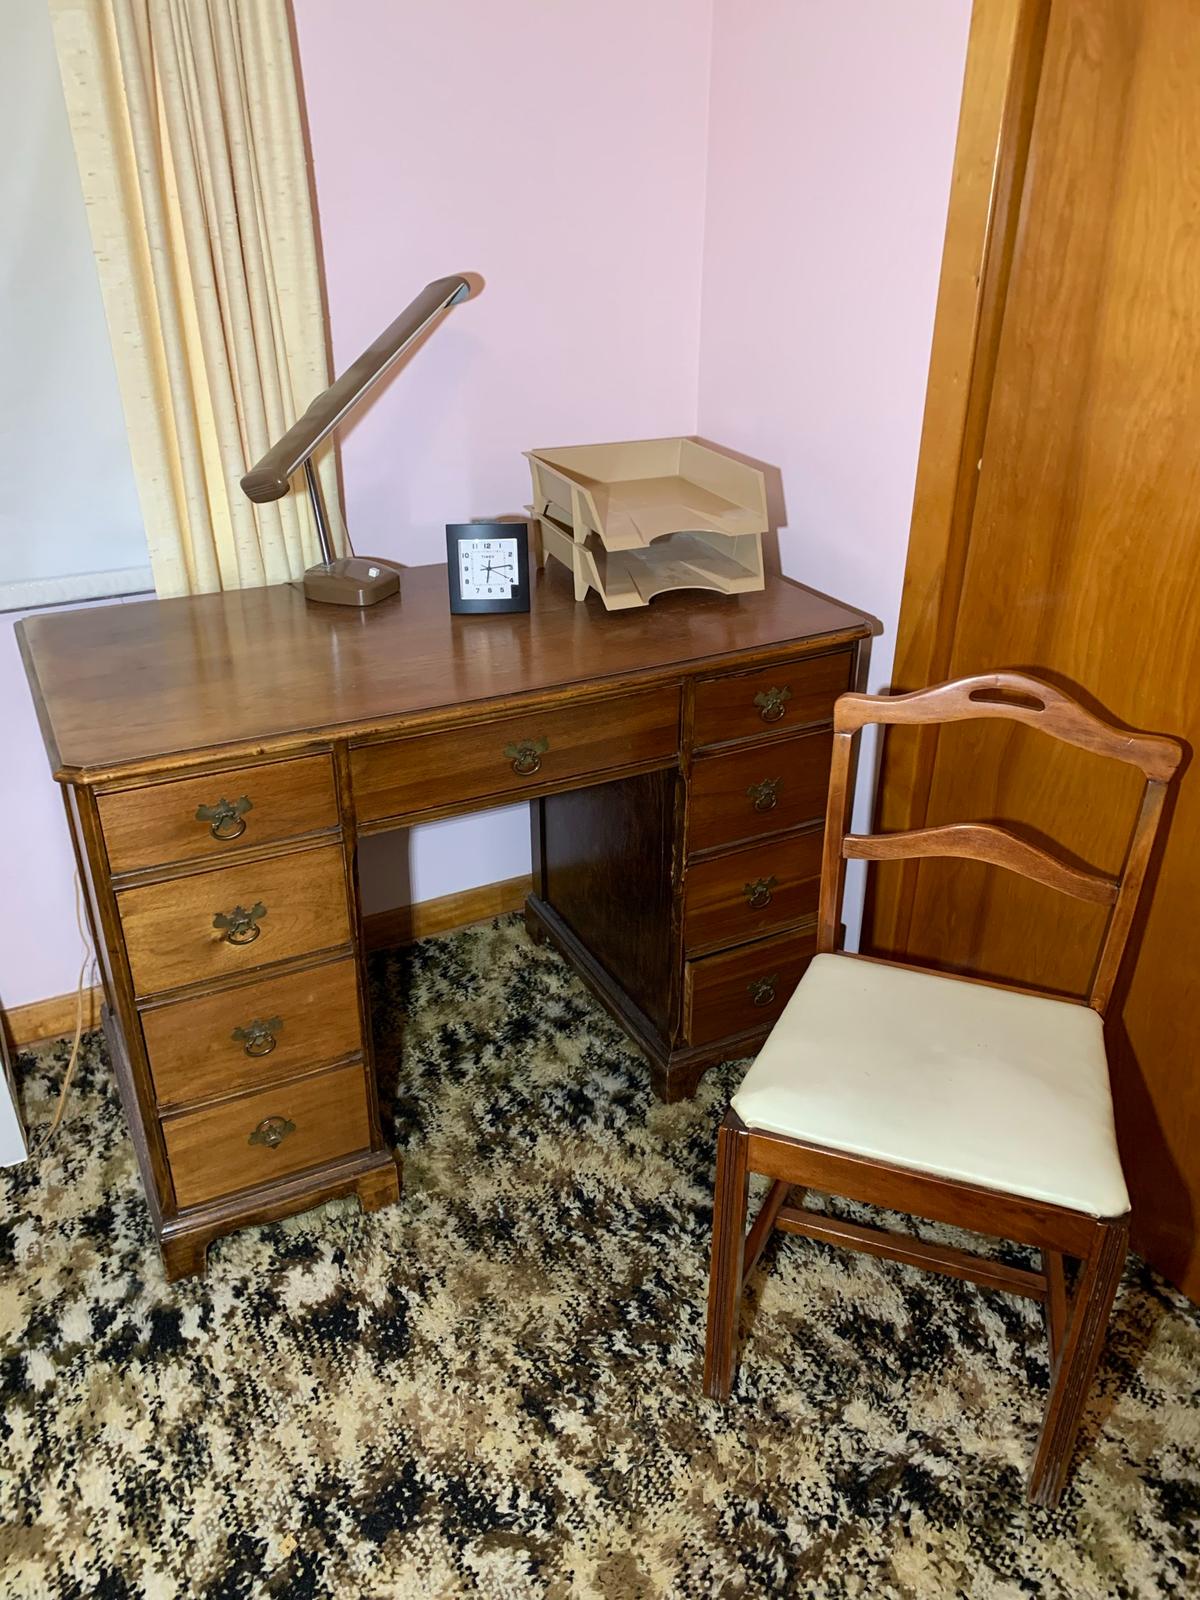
487 566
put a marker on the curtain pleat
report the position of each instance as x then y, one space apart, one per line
189 133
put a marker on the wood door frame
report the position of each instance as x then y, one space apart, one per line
1005 49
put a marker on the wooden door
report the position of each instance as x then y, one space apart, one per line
1057 529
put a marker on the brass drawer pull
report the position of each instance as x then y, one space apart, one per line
758 893
772 703
762 990
272 1131
526 757
227 817
765 795
259 1038
239 925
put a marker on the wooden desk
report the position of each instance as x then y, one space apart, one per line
221 756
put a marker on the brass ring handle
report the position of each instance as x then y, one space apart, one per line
226 819
765 795
272 1131
772 703
240 926
258 1038
762 990
526 757
758 893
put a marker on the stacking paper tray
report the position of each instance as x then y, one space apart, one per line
637 518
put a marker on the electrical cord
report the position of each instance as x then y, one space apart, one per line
87 967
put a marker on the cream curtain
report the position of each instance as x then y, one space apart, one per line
188 130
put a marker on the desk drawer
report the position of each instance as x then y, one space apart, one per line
241 1038
169 927
744 705
742 990
513 755
766 788
747 893
260 1137
279 800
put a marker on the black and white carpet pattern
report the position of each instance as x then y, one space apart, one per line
493 1388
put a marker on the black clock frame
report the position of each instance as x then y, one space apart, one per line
456 532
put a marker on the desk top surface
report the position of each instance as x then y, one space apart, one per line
126 686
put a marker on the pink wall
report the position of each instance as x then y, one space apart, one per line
567 153
559 151
831 142
40 950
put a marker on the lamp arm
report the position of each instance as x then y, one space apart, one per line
269 478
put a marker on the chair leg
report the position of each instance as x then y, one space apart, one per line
763 1225
1074 1365
730 1201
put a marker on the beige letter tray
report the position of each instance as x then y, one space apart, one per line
636 518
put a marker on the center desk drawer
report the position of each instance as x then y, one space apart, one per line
766 788
230 920
504 757
255 1033
260 1137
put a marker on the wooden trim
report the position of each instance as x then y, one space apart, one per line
1004 59
42 1020
50 1019
384 930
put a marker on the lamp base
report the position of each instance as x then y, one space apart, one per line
352 581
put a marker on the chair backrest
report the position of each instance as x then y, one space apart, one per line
1038 705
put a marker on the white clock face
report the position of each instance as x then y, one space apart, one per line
487 568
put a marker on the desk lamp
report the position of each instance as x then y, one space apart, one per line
347 580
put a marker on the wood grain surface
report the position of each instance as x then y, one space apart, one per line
723 809
210 1150
254 668
747 705
169 931
1080 548
485 761
195 1056
748 893
157 824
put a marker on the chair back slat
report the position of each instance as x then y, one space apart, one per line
981 841
1012 697
1040 705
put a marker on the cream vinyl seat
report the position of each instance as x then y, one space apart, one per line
986 1085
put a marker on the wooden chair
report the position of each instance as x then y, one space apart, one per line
972 1103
